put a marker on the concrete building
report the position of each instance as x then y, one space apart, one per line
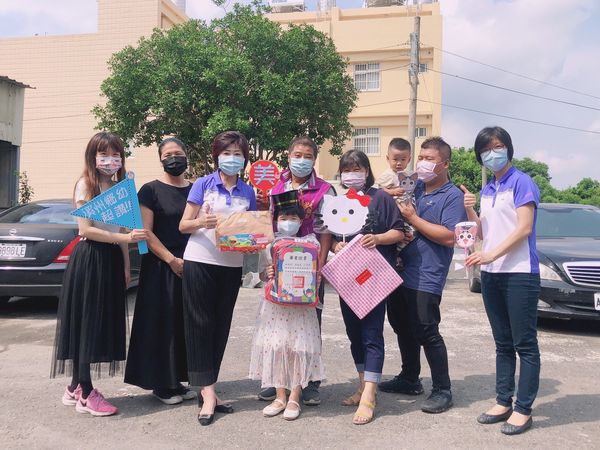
12 96
67 72
375 41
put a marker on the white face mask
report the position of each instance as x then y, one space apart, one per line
288 227
108 165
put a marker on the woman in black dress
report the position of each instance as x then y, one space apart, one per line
157 354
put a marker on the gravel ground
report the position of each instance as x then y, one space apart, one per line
567 412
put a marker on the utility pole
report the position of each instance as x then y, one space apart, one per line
413 78
483 177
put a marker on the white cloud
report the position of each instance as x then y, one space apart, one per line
30 17
207 10
539 38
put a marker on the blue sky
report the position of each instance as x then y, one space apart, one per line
556 41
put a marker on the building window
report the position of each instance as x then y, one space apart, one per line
421 132
366 140
366 76
422 67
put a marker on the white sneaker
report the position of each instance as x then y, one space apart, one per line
168 399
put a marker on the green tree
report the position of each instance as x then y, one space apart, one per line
587 192
532 168
465 170
241 72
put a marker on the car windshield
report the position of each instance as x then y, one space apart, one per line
50 213
568 222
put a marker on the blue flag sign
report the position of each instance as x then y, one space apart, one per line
117 206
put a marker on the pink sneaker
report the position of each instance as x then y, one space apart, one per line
70 398
96 405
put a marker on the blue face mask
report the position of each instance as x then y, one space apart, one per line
301 167
288 227
231 164
495 159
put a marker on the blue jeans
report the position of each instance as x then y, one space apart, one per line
510 301
366 340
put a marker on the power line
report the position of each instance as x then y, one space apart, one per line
56 117
515 91
514 73
56 140
511 117
34 96
382 103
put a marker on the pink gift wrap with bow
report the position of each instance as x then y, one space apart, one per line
362 277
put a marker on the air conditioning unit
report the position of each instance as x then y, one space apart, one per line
283 6
380 3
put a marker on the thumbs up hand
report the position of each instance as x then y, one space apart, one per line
470 199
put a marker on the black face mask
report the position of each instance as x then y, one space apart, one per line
175 165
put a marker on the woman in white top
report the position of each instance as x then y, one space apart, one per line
90 333
211 278
510 277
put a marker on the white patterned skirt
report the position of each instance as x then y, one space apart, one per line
286 348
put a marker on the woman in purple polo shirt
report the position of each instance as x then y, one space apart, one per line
510 277
211 278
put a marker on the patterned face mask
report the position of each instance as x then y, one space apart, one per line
108 165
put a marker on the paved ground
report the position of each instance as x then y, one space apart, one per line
567 412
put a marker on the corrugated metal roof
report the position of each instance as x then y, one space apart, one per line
15 82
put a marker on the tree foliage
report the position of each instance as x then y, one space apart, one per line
466 171
241 72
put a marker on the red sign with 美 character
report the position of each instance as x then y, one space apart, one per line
264 175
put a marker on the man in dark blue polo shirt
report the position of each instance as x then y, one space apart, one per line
414 308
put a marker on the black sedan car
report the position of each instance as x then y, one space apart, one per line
36 241
568 246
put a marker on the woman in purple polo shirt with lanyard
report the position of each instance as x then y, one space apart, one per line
510 277
211 278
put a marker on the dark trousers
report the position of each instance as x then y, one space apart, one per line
321 304
209 296
415 318
366 340
510 301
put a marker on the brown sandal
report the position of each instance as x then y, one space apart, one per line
352 400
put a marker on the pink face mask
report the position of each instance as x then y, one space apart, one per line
426 170
108 165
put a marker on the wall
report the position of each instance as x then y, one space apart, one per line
381 35
66 72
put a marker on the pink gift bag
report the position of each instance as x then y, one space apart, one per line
361 276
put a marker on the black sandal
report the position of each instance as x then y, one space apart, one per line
225 408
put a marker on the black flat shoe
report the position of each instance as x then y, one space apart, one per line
225 408
488 419
206 419
510 429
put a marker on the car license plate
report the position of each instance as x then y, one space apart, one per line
10 251
597 301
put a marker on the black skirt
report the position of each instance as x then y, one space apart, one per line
92 311
157 355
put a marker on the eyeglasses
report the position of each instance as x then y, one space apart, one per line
495 150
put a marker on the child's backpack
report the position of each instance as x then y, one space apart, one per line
296 267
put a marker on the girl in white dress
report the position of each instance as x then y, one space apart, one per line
286 349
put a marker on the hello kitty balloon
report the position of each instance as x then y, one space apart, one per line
345 215
465 234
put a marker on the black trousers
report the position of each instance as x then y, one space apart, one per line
415 318
209 296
